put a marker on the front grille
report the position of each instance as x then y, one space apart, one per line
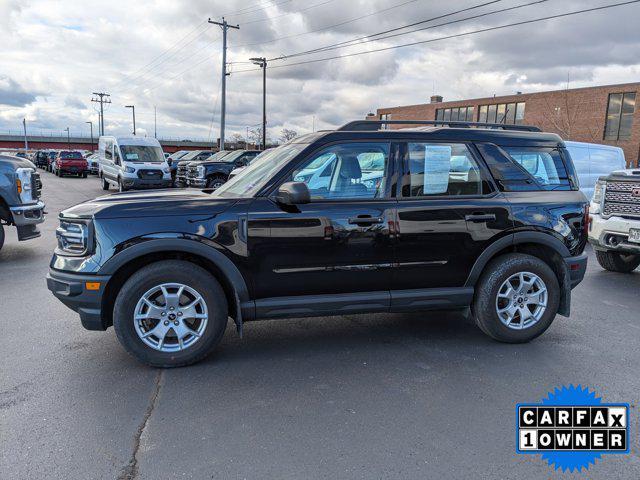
181 171
36 185
619 199
150 174
193 172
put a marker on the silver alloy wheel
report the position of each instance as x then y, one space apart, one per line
216 184
522 300
170 317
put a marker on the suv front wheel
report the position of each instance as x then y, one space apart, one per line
516 299
170 314
618 262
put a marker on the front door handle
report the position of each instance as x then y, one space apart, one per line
365 220
480 217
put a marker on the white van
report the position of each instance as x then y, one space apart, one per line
593 161
132 163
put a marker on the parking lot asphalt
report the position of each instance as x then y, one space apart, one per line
371 396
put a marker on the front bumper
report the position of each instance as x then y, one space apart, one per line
25 218
71 289
612 234
197 182
142 183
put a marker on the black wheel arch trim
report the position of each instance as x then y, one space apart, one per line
511 240
145 246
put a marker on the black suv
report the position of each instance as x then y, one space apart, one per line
214 172
356 220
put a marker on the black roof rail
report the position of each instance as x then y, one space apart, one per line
372 125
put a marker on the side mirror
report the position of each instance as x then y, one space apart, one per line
293 193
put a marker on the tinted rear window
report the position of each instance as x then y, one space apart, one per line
70 155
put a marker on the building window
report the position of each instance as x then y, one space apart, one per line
504 113
385 117
457 114
620 110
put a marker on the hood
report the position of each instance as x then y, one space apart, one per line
630 175
15 162
152 203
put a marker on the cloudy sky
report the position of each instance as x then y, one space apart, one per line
163 53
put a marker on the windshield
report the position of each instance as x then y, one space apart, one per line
70 155
233 156
177 155
217 156
142 153
259 172
193 154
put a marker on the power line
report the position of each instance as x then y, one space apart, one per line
458 35
165 52
366 39
288 13
244 11
325 27
338 45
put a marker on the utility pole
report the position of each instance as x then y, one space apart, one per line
246 142
133 108
223 105
262 62
26 143
68 139
102 99
91 126
155 122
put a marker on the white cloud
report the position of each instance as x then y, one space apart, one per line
55 54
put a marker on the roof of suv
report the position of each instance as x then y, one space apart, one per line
507 135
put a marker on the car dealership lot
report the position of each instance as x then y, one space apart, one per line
374 396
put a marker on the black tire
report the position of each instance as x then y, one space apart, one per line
216 182
84 175
105 184
495 274
618 262
1 236
170 271
121 187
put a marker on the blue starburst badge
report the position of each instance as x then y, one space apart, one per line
572 428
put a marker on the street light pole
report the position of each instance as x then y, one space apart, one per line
91 126
133 109
262 63
26 143
68 139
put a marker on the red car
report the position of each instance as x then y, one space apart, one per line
68 162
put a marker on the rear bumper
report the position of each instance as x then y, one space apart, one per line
577 267
71 290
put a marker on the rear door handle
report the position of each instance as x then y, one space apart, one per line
365 220
480 217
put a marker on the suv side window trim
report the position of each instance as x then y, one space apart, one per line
283 175
484 170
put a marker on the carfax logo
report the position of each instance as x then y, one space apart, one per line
572 428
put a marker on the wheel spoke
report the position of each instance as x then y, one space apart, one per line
153 311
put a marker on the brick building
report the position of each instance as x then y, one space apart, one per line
606 114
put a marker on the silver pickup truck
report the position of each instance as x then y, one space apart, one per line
20 204
614 230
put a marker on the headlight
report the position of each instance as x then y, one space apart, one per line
129 170
24 184
200 170
598 196
74 237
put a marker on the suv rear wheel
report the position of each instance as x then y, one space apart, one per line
618 262
516 299
170 314
105 184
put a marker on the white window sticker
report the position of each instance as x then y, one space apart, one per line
132 156
437 164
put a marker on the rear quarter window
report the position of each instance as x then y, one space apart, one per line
529 168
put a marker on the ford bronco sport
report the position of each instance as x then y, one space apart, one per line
614 230
431 216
